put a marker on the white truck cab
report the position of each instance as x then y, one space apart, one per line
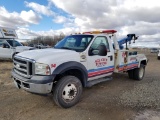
77 61
8 45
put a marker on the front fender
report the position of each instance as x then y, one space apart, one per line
72 65
143 61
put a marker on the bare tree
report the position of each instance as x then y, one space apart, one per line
47 40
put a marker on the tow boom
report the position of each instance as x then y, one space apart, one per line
126 40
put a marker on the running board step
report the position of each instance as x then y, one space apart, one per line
96 81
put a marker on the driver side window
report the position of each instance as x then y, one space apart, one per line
100 40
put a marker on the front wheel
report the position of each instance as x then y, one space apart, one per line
67 91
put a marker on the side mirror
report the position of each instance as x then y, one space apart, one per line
102 50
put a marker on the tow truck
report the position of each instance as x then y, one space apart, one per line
77 61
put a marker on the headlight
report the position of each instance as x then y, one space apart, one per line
42 69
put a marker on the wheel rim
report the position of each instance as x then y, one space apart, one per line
69 92
141 72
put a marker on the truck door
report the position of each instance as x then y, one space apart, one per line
100 65
5 50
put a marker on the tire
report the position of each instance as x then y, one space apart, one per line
138 73
158 58
67 91
131 74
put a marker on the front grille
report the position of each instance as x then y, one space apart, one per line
23 66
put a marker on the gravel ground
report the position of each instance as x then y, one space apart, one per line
119 99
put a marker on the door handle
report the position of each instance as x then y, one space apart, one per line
111 57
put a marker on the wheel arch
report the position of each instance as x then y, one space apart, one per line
72 68
144 62
14 54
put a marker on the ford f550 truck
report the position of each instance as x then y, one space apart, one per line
8 45
77 61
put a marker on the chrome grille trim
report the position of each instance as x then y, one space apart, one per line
24 70
21 74
23 66
20 64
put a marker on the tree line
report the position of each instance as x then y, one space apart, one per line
45 40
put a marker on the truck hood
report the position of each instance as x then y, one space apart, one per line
24 48
50 54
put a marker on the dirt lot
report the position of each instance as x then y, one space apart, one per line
119 99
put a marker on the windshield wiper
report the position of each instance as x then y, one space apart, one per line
66 48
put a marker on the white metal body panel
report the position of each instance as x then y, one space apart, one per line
124 61
6 52
51 56
100 66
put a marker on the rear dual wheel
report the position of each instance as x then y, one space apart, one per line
137 73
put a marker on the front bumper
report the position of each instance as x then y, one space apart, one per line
36 84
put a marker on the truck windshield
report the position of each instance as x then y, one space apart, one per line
74 42
14 43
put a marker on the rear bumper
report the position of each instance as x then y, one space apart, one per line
36 84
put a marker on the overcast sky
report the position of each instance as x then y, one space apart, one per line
49 17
